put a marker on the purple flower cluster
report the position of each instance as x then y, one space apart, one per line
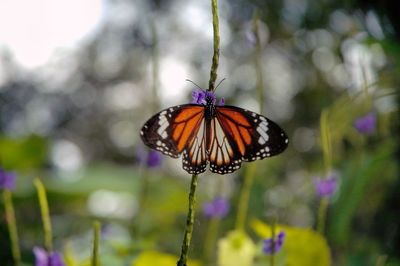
219 207
7 179
150 158
366 124
325 187
42 258
200 96
278 243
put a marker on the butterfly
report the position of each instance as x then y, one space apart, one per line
204 132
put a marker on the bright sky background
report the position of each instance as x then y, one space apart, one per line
33 30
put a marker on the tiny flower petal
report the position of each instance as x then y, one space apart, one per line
198 96
222 102
366 124
279 241
7 179
56 259
325 187
41 258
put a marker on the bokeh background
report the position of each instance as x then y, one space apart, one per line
79 78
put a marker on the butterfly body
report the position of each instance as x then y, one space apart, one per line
222 135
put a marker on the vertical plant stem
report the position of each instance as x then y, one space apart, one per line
327 153
95 255
323 205
244 196
250 168
273 223
156 102
257 60
12 226
44 208
192 194
215 59
189 222
325 140
211 237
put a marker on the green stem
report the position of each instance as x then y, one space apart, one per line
95 255
189 222
323 205
44 208
326 140
244 196
257 59
215 59
156 102
210 239
12 226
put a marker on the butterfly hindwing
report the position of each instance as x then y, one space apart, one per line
221 150
253 136
195 154
172 130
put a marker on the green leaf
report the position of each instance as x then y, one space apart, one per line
304 247
236 249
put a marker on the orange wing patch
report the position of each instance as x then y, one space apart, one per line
235 116
237 137
188 113
245 134
178 131
187 131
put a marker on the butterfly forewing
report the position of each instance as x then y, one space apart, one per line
253 136
172 130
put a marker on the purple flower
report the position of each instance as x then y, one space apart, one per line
219 207
325 187
278 243
222 102
150 158
366 124
200 97
42 258
7 179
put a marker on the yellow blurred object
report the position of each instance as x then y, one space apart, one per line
151 258
236 249
304 247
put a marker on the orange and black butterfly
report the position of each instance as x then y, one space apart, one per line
223 135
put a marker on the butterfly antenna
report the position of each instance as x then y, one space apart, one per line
219 83
194 84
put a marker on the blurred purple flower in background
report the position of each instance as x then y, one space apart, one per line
219 207
149 158
42 258
278 243
7 179
366 124
222 102
325 187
